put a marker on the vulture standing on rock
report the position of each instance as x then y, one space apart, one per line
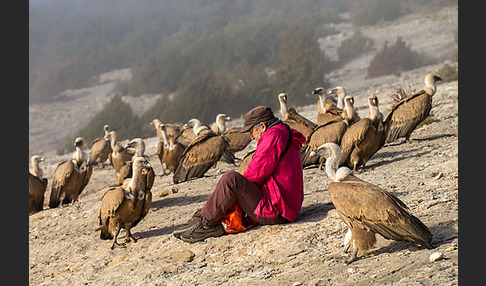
366 209
411 111
364 138
37 185
71 177
148 177
169 152
100 149
125 206
293 119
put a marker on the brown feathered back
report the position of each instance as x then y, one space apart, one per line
70 181
125 206
299 122
37 188
199 156
331 131
100 151
237 141
405 116
365 206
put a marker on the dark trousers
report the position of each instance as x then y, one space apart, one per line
234 187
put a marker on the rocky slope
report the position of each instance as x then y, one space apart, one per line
65 249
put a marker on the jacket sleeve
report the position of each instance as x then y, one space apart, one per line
266 157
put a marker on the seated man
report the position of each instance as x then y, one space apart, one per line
270 191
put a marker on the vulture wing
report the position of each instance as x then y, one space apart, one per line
62 175
87 176
37 188
353 136
160 150
199 156
378 211
149 179
299 122
329 132
237 141
124 173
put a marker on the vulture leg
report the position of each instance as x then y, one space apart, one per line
166 171
347 241
130 235
322 164
115 237
354 256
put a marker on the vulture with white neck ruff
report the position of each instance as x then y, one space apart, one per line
367 209
406 115
71 177
125 206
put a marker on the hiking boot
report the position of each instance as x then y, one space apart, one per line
203 229
190 224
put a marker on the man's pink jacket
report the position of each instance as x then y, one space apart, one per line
281 181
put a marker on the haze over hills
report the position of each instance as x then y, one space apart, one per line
432 36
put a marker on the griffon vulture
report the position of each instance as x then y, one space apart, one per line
411 111
202 130
293 119
100 149
326 107
37 185
71 177
125 206
200 155
366 209
138 145
364 138
169 152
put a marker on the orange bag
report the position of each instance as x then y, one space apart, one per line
233 221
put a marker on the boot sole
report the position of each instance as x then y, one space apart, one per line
177 233
196 239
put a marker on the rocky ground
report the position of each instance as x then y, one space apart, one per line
65 249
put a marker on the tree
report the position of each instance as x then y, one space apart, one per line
301 63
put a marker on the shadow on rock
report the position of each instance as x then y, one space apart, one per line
158 231
178 201
314 212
